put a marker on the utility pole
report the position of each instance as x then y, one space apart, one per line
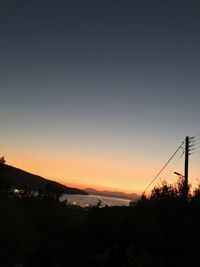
185 185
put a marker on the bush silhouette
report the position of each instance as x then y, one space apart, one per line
157 230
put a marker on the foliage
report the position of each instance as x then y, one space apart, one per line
2 160
158 230
52 190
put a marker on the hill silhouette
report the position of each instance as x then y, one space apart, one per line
21 179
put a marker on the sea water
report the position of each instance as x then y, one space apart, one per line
92 200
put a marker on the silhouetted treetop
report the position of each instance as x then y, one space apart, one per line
2 160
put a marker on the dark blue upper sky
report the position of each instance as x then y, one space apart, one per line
100 74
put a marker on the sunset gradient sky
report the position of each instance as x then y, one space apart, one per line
99 93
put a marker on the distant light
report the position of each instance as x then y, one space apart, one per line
16 190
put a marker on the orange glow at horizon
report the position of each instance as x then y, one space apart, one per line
83 172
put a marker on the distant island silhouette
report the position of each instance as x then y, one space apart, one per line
108 193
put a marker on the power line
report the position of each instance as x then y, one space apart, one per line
161 170
194 138
176 163
196 152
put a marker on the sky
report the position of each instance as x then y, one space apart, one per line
99 93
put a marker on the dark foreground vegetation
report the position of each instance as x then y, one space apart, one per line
38 230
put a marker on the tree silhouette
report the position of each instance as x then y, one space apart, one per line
5 187
2 160
53 191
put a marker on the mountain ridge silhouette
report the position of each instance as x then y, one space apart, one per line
22 179
108 193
